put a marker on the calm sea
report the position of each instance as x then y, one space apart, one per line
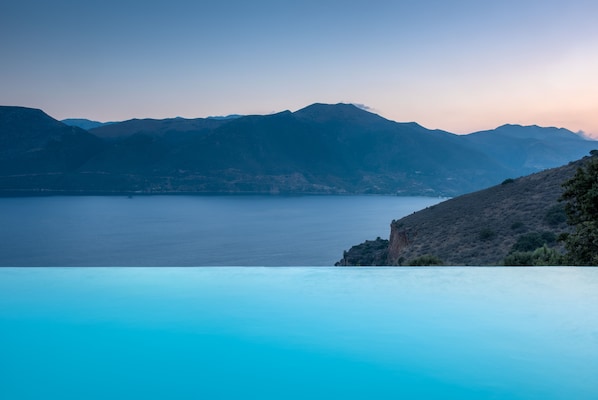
298 333
193 230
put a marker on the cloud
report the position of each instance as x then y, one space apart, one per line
363 107
587 135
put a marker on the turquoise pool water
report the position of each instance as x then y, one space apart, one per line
298 333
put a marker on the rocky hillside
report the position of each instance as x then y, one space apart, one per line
479 228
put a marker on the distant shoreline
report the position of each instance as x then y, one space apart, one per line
74 193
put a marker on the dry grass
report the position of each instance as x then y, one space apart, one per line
480 228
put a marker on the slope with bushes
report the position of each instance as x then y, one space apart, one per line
504 223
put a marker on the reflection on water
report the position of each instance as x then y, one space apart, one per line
318 333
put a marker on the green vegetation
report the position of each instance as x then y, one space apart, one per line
518 226
556 215
507 181
532 241
581 196
534 248
581 213
425 260
370 252
541 256
487 234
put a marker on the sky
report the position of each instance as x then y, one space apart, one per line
460 66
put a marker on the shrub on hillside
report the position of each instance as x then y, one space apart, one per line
547 256
539 257
581 196
487 234
532 241
555 215
425 260
370 252
518 258
518 226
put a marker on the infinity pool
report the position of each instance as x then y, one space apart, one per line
298 333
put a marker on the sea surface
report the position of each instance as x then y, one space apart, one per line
299 333
193 230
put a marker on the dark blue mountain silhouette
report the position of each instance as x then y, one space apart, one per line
321 148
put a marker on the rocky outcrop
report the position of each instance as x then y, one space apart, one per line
399 240
368 253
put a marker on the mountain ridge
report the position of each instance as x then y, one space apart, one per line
321 148
84 123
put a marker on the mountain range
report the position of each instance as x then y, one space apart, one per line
322 148
84 123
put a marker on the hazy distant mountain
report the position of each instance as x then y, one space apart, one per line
527 149
319 149
84 123
230 116
156 127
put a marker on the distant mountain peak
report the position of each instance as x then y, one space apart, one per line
517 131
23 112
30 120
320 112
225 117
84 123
348 107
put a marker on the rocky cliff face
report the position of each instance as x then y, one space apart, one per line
400 239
